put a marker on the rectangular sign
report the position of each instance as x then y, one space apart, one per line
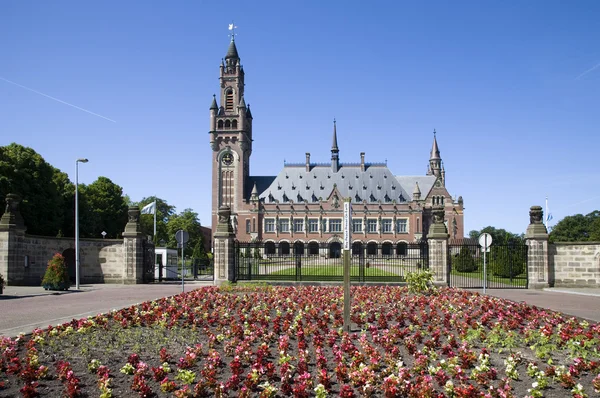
347 225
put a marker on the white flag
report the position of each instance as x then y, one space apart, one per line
150 208
230 26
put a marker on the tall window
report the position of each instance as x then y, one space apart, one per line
401 226
229 100
335 225
248 226
313 225
298 225
284 225
323 225
386 225
269 225
357 225
372 225
227 187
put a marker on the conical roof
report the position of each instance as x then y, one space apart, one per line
334 145
214 103
417 190
232 51
435 152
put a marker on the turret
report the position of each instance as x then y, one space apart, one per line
416 192
214 109
435 161
335 158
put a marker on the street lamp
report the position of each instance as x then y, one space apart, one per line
77 220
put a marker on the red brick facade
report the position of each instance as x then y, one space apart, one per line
304 202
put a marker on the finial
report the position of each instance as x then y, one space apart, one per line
434 132
333 120
232 28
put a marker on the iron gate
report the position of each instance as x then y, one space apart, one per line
148 263
505 265
320 262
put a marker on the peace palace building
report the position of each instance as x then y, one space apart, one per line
304 202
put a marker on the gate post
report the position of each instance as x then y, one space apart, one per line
133 248
437 239
224 262
536 238
12 234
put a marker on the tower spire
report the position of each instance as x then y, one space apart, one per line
435 152
435 161
335 159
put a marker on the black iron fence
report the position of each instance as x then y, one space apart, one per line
193 269
505 265
372 262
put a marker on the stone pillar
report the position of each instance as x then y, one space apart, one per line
437 239
133 248
12 233
536 238
224 247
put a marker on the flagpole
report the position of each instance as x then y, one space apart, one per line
155 210
546 214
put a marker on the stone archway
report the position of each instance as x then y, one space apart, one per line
69 255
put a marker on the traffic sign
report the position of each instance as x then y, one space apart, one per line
485 240
182 237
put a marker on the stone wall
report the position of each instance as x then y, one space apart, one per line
574 264
101 259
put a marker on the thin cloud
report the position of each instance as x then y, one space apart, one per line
583 201
58 100
588 71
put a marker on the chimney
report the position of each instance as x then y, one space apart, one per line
362 161
307 161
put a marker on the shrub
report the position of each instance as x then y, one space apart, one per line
56 276
420 282
463 261
507 266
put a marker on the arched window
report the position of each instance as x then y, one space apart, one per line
401 249
284 248
229 100
313 249
335 250
234 124
357 249
386 249
220 125
372 249
227 124
299 249
270 248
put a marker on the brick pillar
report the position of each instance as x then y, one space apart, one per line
437 239
133 248
12 233
224 247
536 238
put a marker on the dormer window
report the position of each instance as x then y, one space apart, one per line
229 100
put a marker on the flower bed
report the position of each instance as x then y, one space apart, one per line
289 342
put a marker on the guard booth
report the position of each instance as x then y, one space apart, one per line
166 264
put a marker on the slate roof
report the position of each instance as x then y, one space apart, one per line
376 183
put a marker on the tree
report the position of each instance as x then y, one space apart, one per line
43 189
103 208
464 261
577 228
164 212
499 236
188 221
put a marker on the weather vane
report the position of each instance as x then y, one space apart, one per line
232 28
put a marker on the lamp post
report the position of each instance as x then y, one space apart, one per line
77 220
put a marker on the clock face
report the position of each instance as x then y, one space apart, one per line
228 159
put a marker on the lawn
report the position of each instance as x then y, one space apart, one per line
288 341
517 281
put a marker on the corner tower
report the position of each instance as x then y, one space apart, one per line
230 136
436 167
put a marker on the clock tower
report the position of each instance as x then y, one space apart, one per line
230 137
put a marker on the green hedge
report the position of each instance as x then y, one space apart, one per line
463 261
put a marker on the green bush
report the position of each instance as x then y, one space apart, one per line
57 275
507 263
420 282
463 261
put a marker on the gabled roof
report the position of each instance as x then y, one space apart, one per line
425 183
376 183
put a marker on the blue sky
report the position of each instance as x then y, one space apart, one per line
512 89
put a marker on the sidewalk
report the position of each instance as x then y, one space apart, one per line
25 308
